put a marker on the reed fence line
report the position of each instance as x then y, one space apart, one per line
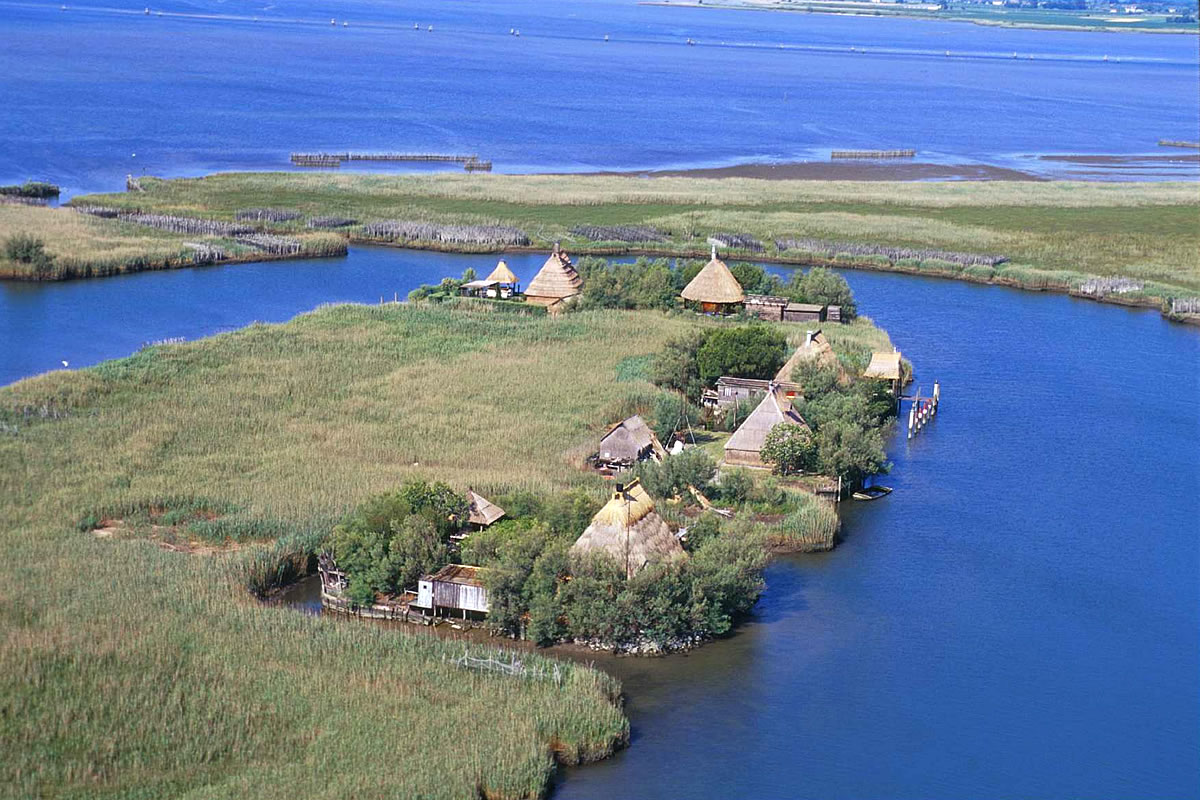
514 666
1178 143
331 222
267 215
1185 305
204 253
271 243
872 153
619 233
399 230
736 241
190 225
830 248
1098 287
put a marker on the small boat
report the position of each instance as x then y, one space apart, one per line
333 22
872 492
416 27
606 37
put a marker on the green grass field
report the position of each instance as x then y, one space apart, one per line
1146 231
132 671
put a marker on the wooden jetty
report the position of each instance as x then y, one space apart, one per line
873 154
470 162
922 410
1177 143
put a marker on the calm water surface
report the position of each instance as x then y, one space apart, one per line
1020 618
101 90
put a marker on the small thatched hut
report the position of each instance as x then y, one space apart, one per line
628 442
744 448
483 512
714 288
630 531
505 279
556 281
816 347
886 367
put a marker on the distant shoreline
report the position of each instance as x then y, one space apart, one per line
858 9
847 170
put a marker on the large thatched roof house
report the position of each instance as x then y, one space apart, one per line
628 442
555 282
630 531
714 288
744 447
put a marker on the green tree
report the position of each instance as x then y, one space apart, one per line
27 249
672 476
676 367
789 448
749 351
824 287
850 451
814 378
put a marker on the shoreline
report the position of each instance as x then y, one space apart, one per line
900 12
1152 302
841 170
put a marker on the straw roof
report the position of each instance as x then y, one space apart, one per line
630 531
885 366
774 409
483 512
502 274
629 440
556 279
714 284
815 346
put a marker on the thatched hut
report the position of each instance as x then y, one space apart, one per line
886 367
628 442
505 280
744 448
556 282
482 512
714 289
815 348
630 531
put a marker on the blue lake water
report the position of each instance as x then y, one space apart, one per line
1020 618
101 89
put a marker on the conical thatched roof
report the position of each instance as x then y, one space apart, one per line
714 284
630 531
502 274
747 441
816 347
557 278
483 512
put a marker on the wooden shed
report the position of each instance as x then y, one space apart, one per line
556 282
628 442
455 589
803 312
630 531
743 449
732 390
766 306
714 289
833 313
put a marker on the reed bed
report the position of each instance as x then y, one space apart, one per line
619 233
831 249
491 235
331 222
164 677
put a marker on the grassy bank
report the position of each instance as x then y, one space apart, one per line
1055 235
137 664
82 246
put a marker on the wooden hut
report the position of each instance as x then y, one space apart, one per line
833 313
743 449
714 289
556 282
628 442
630 531
455 589
732 390
886 367
803 312
766 306
482 512
506 281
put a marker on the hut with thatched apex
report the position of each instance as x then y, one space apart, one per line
482 512
505 280
628 442
714 289
886 367
630 531
744 448
815 348
556 282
